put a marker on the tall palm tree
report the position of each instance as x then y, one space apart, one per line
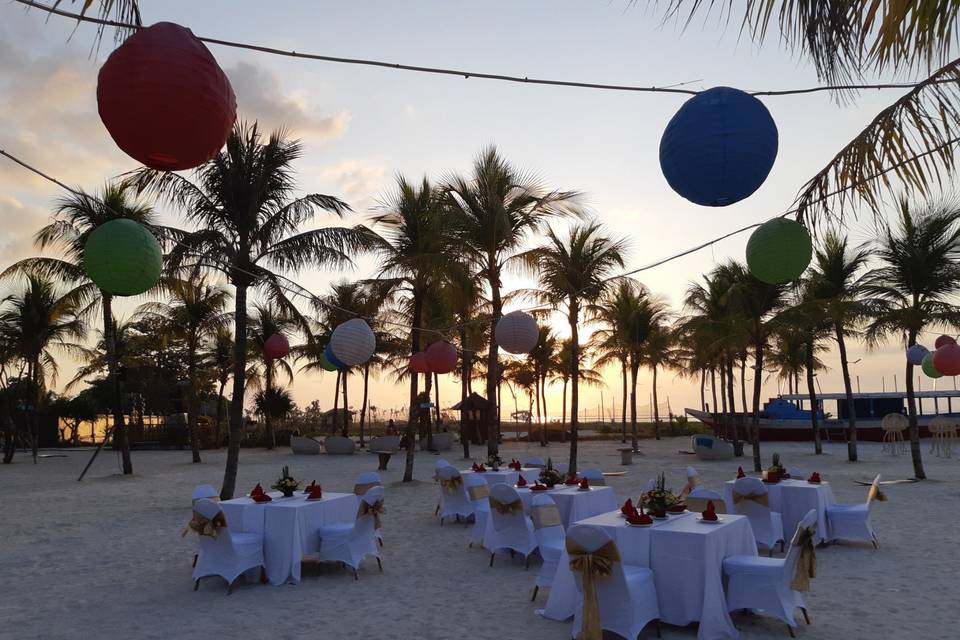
497 208
912 289
266 321
33 324
541 358
659 353
573 273
609 341
249 227
75 218
837 283
220 360
194 314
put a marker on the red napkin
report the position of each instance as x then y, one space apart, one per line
538 487
571 480
628 507
521 482
312 484
584 484
481 468
261 497
314 492
710 513
814 478
740 473
256 491
636 517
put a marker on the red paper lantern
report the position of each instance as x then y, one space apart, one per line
276 347
944 340
946 359
419 363
165 100
441 357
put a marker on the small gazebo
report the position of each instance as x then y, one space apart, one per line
473 418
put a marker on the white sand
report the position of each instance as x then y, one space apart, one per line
104 558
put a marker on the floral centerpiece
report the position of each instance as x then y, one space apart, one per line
550 476
494 461
286 484
776 471
660 500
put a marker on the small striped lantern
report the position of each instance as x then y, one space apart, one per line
325 364
441 357
353 342
517 332
123 257
929 367
944 340
276 347
719 147
419 363
946 359
916 353
332 357
779 251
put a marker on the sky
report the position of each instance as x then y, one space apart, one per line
361 126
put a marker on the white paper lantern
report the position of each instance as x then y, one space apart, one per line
353 342
517 332
916 353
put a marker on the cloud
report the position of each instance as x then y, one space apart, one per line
357 181
260 96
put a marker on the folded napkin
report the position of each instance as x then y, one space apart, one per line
814 478
627 507
314 492
740 473
312 484
635 517
571 480
711 512
261 497
480 468
256 491
538 487
474 467
521 482
584 484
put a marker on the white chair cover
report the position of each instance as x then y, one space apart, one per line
535 462
627 597
351 543
562 468
478 492
453 502
698 498
228 554
795 472
207 491
755 582
767 525
594 476
649 485
513 531
365 482
852 521
439 464
548 529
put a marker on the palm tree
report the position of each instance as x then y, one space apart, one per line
248 227
659 353
267 321
541 358
75 217
497 208
613 312
34 323
195 314
273 403
913 286
836 282
220 359
574 273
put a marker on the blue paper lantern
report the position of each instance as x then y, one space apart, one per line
719 147
328 351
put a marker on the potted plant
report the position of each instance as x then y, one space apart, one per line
776 471
286 484
494 461
550 476
660 499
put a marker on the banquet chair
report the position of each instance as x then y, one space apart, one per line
351 543
453 496
594 476
767 584
439 464
750 498
512 529
693 480
200 492
478 492
535 462
365 482
626 599
225 554
548 529
699 497
893 425
852 521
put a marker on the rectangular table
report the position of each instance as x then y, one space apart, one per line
686 557
793 498
289 527
506 476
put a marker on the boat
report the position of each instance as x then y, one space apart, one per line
784 418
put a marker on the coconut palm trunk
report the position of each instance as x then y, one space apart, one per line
346 407
848 390
811 391
412 417
363 406
236 400
738 421
573 306
493 369
428 387
436 395
656 409
193 402
723 404
223 385
563 429
120 435
634 370
713 391
465 367
703 390
546 415
268 415
755 418
623 402
914 429
336 402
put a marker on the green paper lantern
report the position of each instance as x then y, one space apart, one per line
928 368
326 364
779 251
123 257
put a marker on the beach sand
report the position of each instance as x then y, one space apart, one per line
104 558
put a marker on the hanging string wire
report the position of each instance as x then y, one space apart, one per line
466 74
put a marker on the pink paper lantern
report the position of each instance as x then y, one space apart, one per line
419 363
276 347
441 357
944 340
946 359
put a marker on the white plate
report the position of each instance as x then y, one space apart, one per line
642 526
582 489
717 521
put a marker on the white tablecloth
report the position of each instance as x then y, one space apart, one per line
507 476
686 557
793 498
289 527
571 503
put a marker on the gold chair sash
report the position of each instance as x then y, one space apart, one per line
759 498
507 508
546 515
376 510
361 489
692 483
591 565
204 526
700 504
806 563
479 491
452 485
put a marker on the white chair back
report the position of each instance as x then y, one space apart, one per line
534 462
873 490
505 494
439 464
594 476
365 482
221 544
365 524
698 498
562 468
649 485
477 489
757 513
455 500
548 527
807 522
207 491
613 596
